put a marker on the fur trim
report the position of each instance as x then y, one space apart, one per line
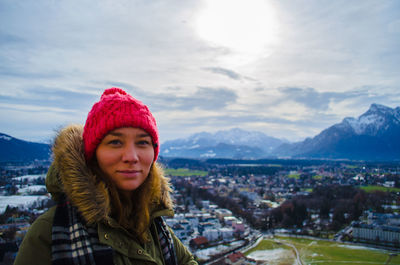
70 174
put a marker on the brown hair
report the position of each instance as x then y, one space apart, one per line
133 212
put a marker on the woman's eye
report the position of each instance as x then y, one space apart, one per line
143 142
114 142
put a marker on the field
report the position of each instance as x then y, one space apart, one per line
318 177
278 251
294 176
372 188
184 172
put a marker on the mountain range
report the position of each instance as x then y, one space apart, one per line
375 135
234 143
16 150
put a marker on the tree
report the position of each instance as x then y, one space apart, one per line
9 234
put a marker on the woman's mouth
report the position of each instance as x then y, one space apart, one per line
129 173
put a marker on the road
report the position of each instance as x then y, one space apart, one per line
298 260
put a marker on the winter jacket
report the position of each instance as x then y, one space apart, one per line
69 175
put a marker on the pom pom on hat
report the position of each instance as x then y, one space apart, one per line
117 109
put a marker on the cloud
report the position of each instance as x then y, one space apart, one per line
34 108
51 98
313 99
10 39
28 73
204 98
225 72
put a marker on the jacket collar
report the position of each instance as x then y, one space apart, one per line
70 175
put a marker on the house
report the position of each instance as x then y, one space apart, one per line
221 213
193 220
238 226
389 184
185 224
205 226
198 242
179 231
211 234
237 258
229 220
205 204
226 233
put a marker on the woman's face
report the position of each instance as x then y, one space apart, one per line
125 155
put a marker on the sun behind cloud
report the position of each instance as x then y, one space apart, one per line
241 26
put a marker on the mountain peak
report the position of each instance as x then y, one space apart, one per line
379 108
371 136
377 119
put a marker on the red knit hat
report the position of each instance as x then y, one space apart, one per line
117 109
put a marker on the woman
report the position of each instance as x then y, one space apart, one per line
110 193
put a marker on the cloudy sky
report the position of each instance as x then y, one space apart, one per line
288 68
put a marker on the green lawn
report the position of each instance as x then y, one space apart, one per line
352 166
267 244
184 172
317 177
371 188
294 176
327 252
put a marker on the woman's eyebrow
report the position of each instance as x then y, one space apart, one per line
141 135
115 134
144 135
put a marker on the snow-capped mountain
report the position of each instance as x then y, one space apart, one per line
375 135
15 150
377 120
234 143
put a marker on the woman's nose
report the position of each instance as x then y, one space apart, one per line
130 154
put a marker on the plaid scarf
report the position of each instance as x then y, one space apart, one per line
74 243
166 242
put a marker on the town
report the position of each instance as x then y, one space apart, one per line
224 207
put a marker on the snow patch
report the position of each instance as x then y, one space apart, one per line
360 125
358 247
4 137
31 188
209 154
19 201
30 177
272 255
312 243
205 254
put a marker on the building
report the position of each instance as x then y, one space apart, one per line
198 242
226 233
211 234
237 258
221 213
238 227
380 235
229 220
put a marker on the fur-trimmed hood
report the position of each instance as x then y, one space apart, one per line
70 175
